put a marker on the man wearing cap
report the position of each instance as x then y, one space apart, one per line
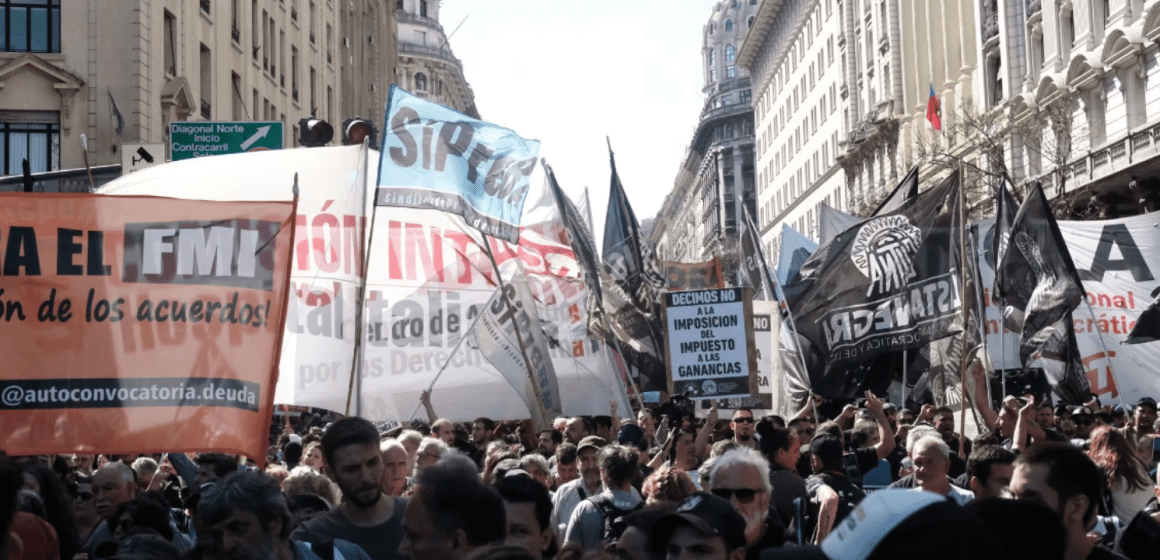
829 487
704 527
246 516
742 477
1063 478
570 494
1083 418
618 467
744 428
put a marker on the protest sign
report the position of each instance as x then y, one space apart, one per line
430 276
708 343
140 324
434 157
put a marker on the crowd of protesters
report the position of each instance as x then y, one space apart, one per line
868 480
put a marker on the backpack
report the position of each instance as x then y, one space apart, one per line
614 517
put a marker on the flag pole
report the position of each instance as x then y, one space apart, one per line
1103 346
963 310
451 355
543 413
360 299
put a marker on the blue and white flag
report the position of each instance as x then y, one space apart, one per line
434 157
795 251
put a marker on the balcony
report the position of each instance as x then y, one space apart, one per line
205 6
884 43
205 109
990 26
424 50
405 17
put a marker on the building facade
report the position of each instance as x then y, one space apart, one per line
700 218
426 65
121 72
794 54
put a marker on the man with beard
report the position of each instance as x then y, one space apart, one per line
1063 478
569 495
742 477
245 518
548 441
366 517
744 428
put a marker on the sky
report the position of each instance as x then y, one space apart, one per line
571 72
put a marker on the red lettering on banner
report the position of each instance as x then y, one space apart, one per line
1102 382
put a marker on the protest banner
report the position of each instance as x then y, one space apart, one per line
693 276
708 341
436 158
420 299
1118 262
766 321
140 324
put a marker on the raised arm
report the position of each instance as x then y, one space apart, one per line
886 441
425 398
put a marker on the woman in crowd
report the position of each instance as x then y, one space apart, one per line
1127 475
57 506
312 457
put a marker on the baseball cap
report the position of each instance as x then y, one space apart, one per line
1122 409
1147 401
631 434
595 442
709 514
826 446
1081 411
889 407
295 438
901 523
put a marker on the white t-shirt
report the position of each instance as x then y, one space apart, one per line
957 494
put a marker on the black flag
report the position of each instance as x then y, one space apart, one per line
1037 277
628 292
585 249
904 192
889 284
1147 327
754 268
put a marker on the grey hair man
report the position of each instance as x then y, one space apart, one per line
245 516
430 450
742 477
932 462
145 468
113 484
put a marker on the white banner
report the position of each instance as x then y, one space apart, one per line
428 279
1118 261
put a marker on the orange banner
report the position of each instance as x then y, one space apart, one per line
140 324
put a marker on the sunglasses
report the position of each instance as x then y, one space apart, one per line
1083 422
743 420
744 495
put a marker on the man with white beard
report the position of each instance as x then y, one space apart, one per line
742 477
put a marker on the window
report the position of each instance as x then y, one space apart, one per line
730 54
728 25
421 81
749 23
730 71
34 136
712 57
255 31
713 75
734 5
423 8
169 47
206 80
236 83
746 96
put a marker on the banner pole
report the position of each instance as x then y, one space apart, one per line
545 422
801 357
450 355
963 310
1104 347
360 298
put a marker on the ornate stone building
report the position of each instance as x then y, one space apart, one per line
122 71
700 217
426 66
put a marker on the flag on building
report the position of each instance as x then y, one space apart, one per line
1038 280
933 110
904 192
628 299
890 284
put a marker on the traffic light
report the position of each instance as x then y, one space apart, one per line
355 130
314 133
